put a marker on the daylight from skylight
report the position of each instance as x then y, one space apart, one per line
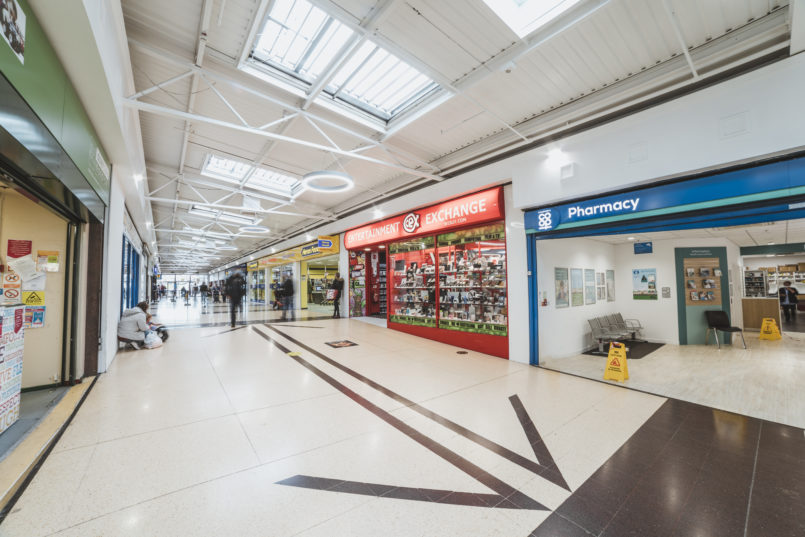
302 40
235 172
376 80
526 16
300 37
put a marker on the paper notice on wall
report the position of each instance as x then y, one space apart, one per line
37 283
11 280
47 261
25 267
18 248
34 317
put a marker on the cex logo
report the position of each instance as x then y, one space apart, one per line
411 222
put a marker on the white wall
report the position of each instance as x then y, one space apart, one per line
565 331
517 280
110 311
759 113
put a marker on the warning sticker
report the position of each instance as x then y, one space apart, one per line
33 298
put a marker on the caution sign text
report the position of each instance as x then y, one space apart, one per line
616 363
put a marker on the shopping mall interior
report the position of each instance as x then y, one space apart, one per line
378 267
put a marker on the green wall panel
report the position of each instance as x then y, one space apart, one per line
44 85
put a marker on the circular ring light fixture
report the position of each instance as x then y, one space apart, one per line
254 229
312 181
228 247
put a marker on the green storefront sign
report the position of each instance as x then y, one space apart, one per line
415 321
36 73
474 327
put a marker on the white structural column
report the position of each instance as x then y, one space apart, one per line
797 14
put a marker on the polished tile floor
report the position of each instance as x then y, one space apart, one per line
268 430
765 381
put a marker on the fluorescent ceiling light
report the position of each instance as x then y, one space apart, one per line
526 16
254 229
223 216
300 38
227 247
322 181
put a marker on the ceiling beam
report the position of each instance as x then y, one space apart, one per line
797 14
171 112
237 208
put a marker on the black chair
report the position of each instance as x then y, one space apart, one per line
719 321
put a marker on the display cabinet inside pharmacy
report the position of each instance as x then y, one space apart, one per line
444 270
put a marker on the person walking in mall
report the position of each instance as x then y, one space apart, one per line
234 289
204 291
287 299
788 300
338 286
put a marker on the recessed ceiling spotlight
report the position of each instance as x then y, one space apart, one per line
368 249
631 239
321 181
770 243
382 246
253 229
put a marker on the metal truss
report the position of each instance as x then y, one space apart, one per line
208 77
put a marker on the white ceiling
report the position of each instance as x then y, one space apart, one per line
501 92
785 232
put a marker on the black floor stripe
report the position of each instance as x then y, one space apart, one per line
541 451
549 472
510 497
472 499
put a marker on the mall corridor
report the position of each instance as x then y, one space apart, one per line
408 268
269 430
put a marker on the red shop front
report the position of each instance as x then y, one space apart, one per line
441 271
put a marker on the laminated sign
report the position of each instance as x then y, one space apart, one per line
616 363
33 298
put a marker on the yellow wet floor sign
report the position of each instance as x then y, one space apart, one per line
616 363
769 330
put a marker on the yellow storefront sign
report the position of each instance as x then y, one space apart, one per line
33 298
254 265
312 250
616 363
769 329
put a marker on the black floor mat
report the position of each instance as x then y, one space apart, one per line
636 350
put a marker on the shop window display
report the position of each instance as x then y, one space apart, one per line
413 282
472 280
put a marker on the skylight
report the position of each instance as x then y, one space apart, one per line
302 41
379 82
236 172
301 38
526 16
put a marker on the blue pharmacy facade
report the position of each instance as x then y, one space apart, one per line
761 193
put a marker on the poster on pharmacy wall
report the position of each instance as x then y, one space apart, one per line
12 26
576 287
610 286
562 286
589 286
644 284
11 351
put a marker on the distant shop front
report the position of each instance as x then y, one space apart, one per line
437 272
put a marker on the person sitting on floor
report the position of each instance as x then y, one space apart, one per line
133 326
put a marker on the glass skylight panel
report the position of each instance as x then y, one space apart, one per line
379 82
300 37
264 179
225 169
526 16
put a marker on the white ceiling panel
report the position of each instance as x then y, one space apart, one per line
504 85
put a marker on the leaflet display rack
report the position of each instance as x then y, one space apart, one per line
413 282
472 281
